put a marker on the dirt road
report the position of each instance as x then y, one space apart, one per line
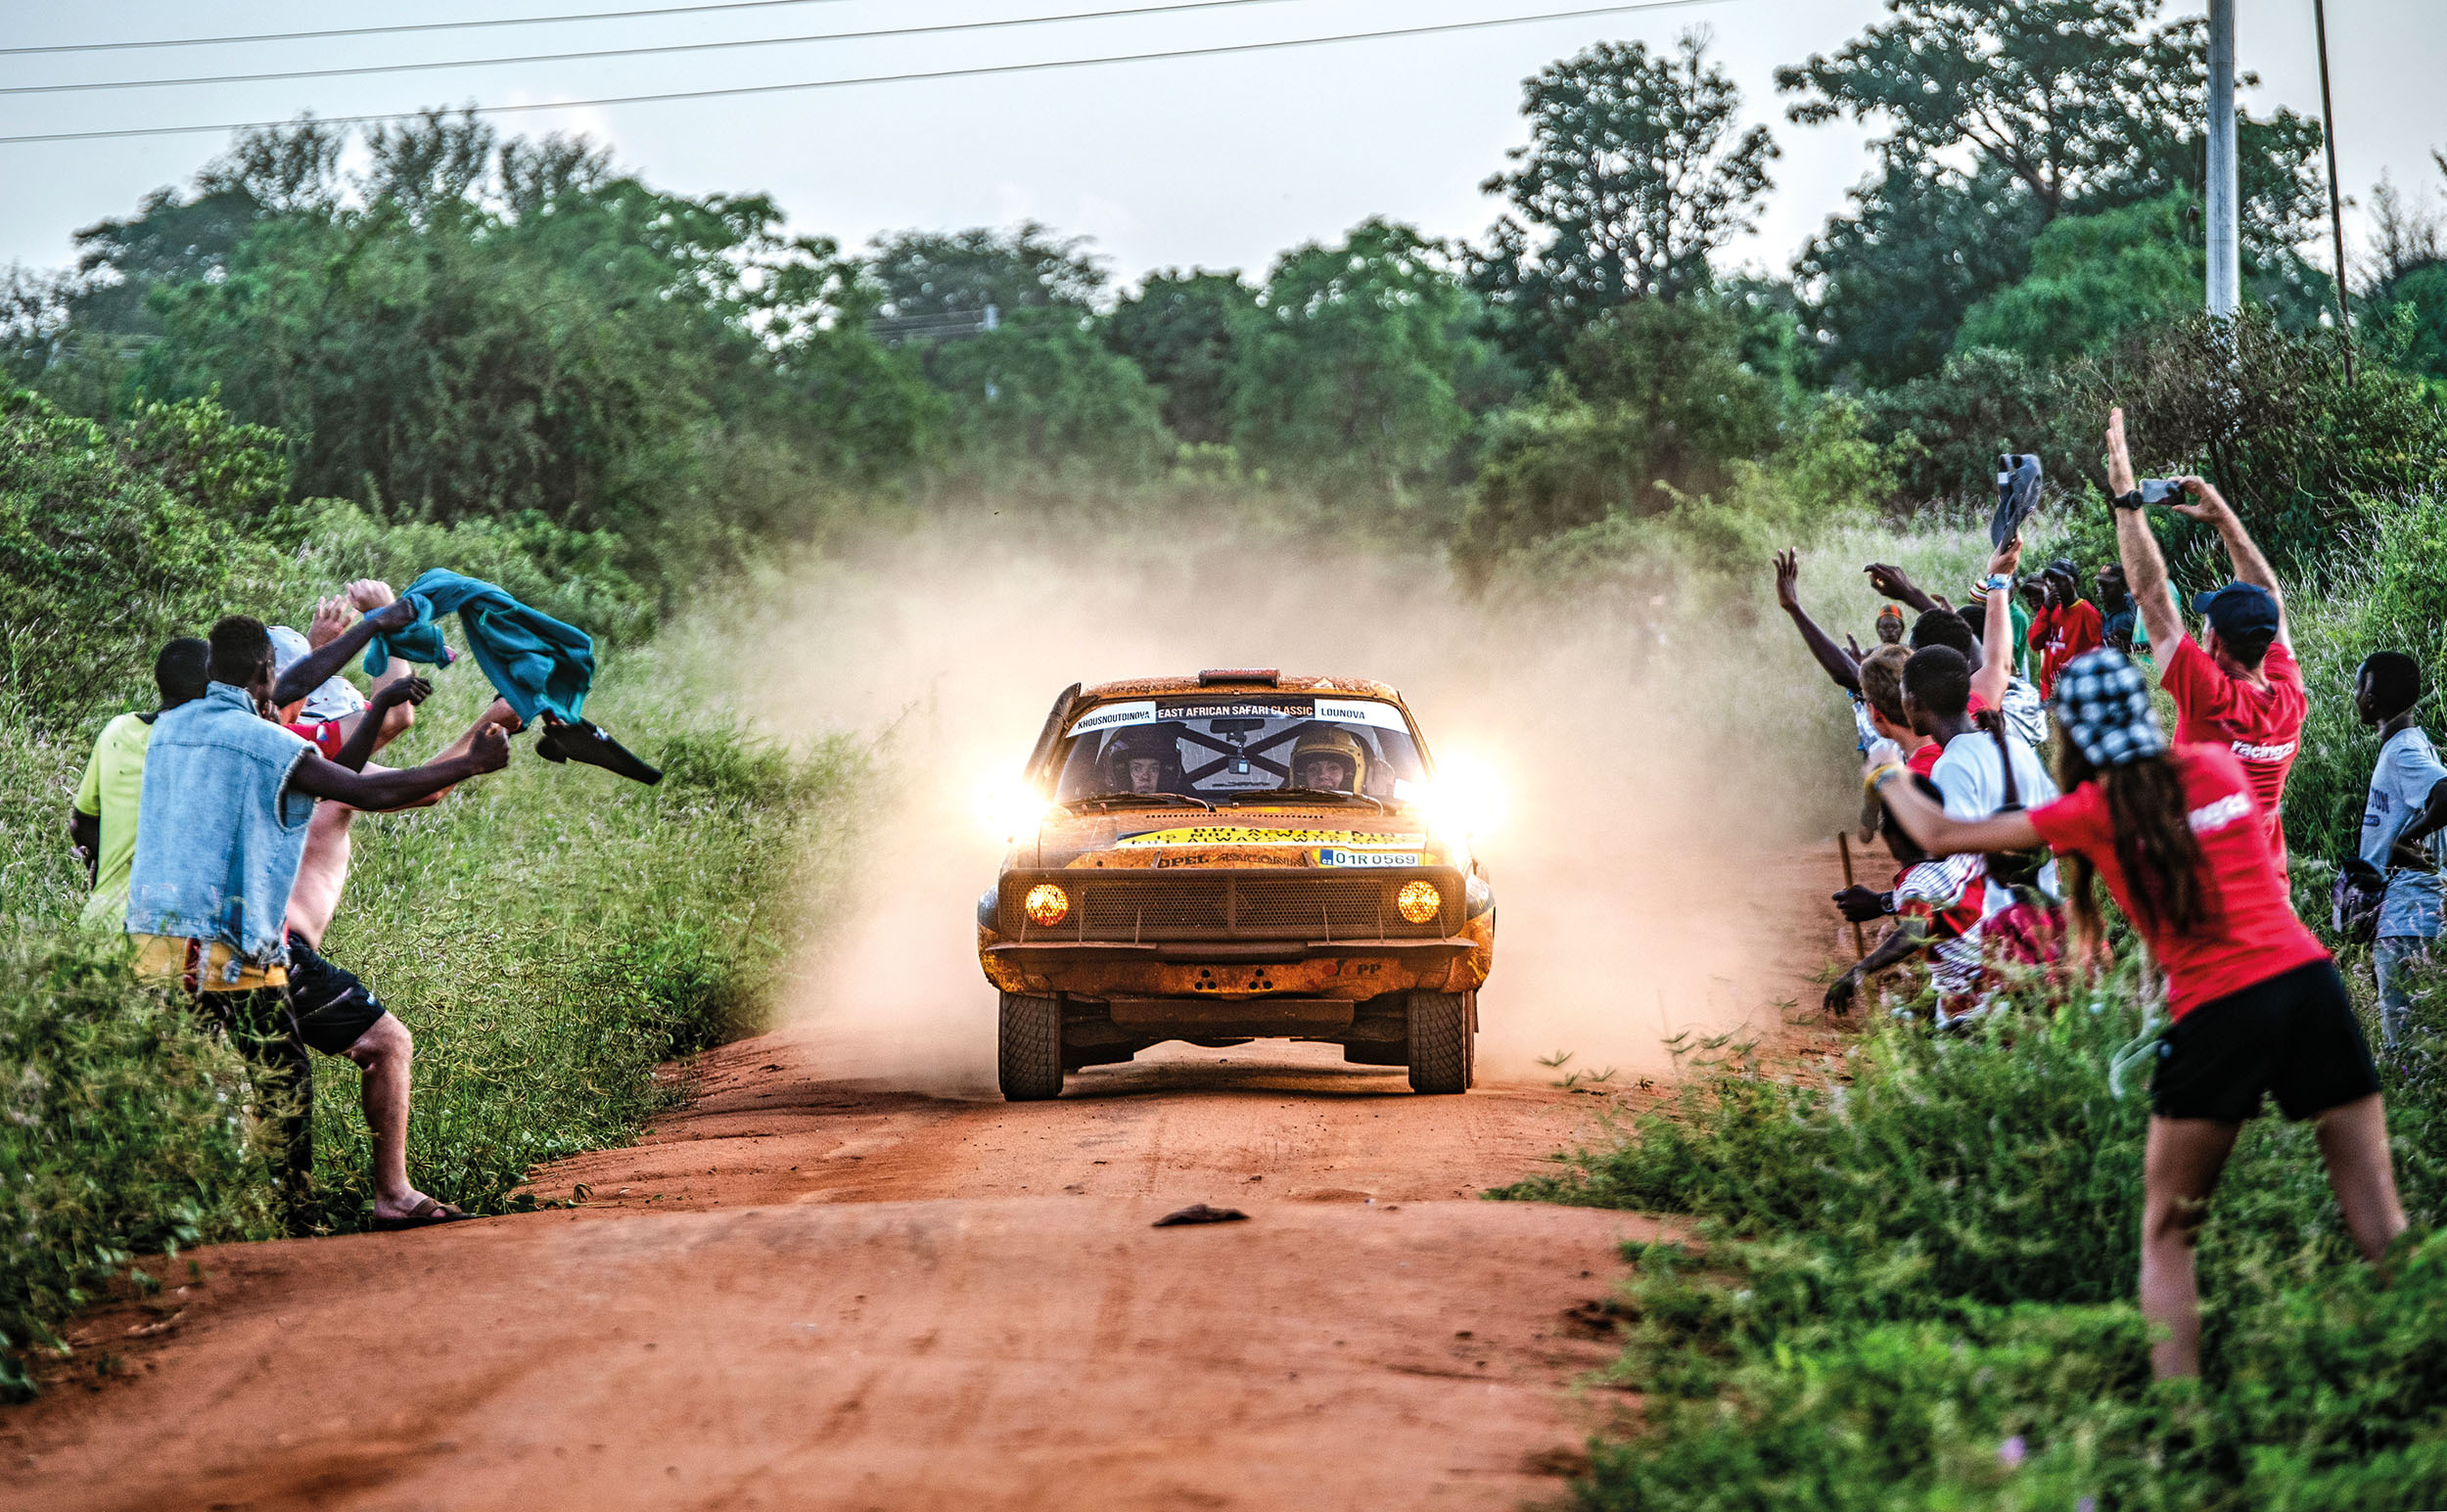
813 1293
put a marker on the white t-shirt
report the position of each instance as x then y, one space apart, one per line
1974 780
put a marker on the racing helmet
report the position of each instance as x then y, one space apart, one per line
1341 746
1145 743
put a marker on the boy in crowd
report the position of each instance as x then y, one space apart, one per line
2404 831
1841 665
2026 711
2122 630
1881 690
1938 901
1971 773
102 818
222 822
2067 628
2240 688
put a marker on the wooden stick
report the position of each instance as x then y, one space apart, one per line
1860 943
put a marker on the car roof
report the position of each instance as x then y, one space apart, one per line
1287 682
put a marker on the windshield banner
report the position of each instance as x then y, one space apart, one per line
1111 716
1383 715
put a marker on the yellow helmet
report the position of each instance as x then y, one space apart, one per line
1335 745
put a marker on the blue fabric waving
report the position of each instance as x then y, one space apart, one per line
537 664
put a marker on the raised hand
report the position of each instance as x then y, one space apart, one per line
2119 456
404 690
370 593
1889 580
1787 580
332 617
2007 559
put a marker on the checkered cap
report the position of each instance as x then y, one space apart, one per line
2103 704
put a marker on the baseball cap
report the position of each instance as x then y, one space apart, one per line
2240 611
2103 705
338 697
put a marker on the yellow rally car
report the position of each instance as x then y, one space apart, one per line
1233 857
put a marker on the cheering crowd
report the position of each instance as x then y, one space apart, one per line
2002 858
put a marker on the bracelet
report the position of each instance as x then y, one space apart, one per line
1999 582
1877 777
2130 499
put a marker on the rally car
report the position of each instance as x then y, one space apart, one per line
1233 857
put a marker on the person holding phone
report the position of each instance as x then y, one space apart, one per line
2174 832
2240 686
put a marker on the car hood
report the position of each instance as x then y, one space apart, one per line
1329 836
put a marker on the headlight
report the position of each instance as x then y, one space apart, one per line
1010 809
1464 800
1418 900
1048 905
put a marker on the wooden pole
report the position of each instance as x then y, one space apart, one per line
1860 942
2336 196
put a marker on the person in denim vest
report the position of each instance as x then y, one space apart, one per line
2404 831
221 826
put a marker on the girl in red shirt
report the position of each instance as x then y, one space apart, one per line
2257 1005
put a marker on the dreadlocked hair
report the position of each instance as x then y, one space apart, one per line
2154 843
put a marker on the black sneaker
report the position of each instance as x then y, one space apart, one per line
583 742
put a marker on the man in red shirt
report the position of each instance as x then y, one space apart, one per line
2240 687
2069 625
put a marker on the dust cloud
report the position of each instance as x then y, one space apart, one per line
1646 867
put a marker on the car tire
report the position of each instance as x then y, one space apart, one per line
1441 1043
1029 1058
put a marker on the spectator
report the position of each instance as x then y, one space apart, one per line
221 829
2122 630
1967 633
102 818
1881 688
2242 688
1889 624
1971 773
2257 1005
2401 831
2070 626
1841 665
1938 901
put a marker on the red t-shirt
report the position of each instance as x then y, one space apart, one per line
2248 933
1923 761
324 735
2264 730
2071 630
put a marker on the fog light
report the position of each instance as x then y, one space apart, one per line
1418 900
1048 905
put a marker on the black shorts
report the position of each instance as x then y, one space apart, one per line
334 1009
2293 1035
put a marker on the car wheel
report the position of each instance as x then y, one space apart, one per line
1440 1042
1029 1062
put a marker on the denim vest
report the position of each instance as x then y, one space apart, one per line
218 832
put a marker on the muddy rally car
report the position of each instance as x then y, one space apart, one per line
1233 857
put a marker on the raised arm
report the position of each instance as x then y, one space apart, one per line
316 777
319 665
1889 580
2137 547
370 733
2209 507
1840 664
1938 832
1996 668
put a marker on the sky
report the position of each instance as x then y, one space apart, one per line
1217 161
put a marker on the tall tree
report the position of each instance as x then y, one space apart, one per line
922 274
1999 116
1183 330
1635 171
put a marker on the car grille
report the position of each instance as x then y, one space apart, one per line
1195 904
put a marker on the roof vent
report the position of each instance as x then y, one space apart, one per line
1270 676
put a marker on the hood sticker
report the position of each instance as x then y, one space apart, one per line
1248 835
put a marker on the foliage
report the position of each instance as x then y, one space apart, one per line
921 274
2092 278
2001 115
1043 392
1184 331
1632 176
1914 1290
2411 308
117 1137
1352 369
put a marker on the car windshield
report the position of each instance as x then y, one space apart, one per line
1219 749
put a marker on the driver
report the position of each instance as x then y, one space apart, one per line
1144 761
1329 760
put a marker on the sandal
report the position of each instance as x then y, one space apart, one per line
423 1214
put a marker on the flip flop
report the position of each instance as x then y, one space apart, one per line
580 740
423 1214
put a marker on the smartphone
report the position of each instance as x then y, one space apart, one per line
2157 490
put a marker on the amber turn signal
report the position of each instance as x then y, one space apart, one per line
1418 900
1048 905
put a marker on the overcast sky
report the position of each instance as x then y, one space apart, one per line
1216 161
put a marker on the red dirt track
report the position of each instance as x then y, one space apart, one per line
804 1292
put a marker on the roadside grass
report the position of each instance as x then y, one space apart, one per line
1915 1290
550 933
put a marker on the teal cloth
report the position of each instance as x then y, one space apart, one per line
537 664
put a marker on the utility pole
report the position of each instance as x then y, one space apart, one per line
2226 272
2336 196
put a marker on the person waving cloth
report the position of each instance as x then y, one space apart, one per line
2257 1005
541 668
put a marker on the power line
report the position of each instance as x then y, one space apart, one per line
631 52
980 71
393 30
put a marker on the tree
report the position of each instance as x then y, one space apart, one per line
926 274
1352 367
2094 277
1043 392
1634 173
1183 330
1999 116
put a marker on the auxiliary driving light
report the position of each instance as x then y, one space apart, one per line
1048 905
1417 901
